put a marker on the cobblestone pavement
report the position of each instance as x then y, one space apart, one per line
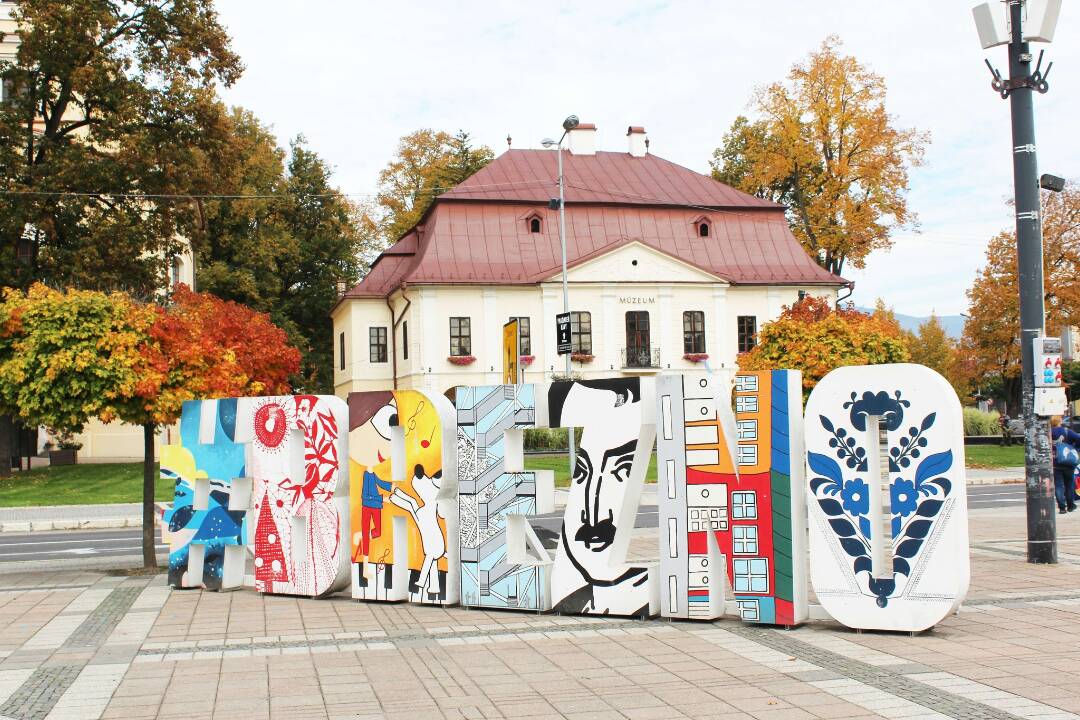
87 645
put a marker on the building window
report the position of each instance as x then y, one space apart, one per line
460 336
747 325
535 225
377 344
703 229
405 340
748 454
747 429
744 540
802 295
744 505
341 351
175 269
746 404
751 575
581 332
693 331
524 335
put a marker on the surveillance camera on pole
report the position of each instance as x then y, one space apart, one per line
1016 23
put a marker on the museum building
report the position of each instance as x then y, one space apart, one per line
668 270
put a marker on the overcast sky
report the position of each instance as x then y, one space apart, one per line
353 76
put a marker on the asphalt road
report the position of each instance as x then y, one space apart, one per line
75 544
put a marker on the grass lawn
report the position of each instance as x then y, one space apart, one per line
993 456
561 466
88 484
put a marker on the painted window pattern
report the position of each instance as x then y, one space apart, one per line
744 505
744 539
747 429
748 455
751 575
746 383
747 404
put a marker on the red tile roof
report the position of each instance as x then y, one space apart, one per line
477 233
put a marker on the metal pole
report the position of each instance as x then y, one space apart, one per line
1041 521
565 289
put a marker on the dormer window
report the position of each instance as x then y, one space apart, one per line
534 222
702 226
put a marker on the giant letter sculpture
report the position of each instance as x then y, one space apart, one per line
207 530
404 497
708 512
496 496
300 493
888 503
590 575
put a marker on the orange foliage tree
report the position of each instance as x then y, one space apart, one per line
815 338
201 346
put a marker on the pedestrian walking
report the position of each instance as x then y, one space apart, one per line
1066 458
1006 429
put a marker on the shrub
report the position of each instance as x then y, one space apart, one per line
977 422
548 438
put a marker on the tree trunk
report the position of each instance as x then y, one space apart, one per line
149 478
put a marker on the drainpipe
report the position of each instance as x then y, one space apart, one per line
393 328
850 291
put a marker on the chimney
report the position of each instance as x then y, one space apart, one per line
583 139
638 145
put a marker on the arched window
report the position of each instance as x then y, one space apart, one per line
703 229
534 225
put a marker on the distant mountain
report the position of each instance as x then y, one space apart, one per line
953 324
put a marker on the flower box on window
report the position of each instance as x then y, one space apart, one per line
527 360
462 359
581 357
696 357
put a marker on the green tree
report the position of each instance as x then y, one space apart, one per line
823 144
428 163
284 249
110 104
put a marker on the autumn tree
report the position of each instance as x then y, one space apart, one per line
992 333
284 243
67 357
823 144
109 103
428 162
815 338
933 347
199 347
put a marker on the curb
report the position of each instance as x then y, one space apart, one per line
96 524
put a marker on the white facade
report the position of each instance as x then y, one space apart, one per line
631 278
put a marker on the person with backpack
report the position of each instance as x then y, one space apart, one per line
1066 457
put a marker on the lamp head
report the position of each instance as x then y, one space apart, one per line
571 122
548 143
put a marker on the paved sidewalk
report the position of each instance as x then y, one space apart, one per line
85 645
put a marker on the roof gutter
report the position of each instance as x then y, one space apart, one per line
394 325
850 291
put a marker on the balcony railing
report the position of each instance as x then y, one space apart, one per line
641 357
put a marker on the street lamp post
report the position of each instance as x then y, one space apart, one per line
569 124
1040 17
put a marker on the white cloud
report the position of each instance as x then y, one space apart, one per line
355 76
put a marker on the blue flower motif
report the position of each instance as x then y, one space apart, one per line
903 496
856 497
889 407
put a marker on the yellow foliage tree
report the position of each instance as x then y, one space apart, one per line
428 163
933 347
824 145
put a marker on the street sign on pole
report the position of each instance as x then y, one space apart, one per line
562 332
511 353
